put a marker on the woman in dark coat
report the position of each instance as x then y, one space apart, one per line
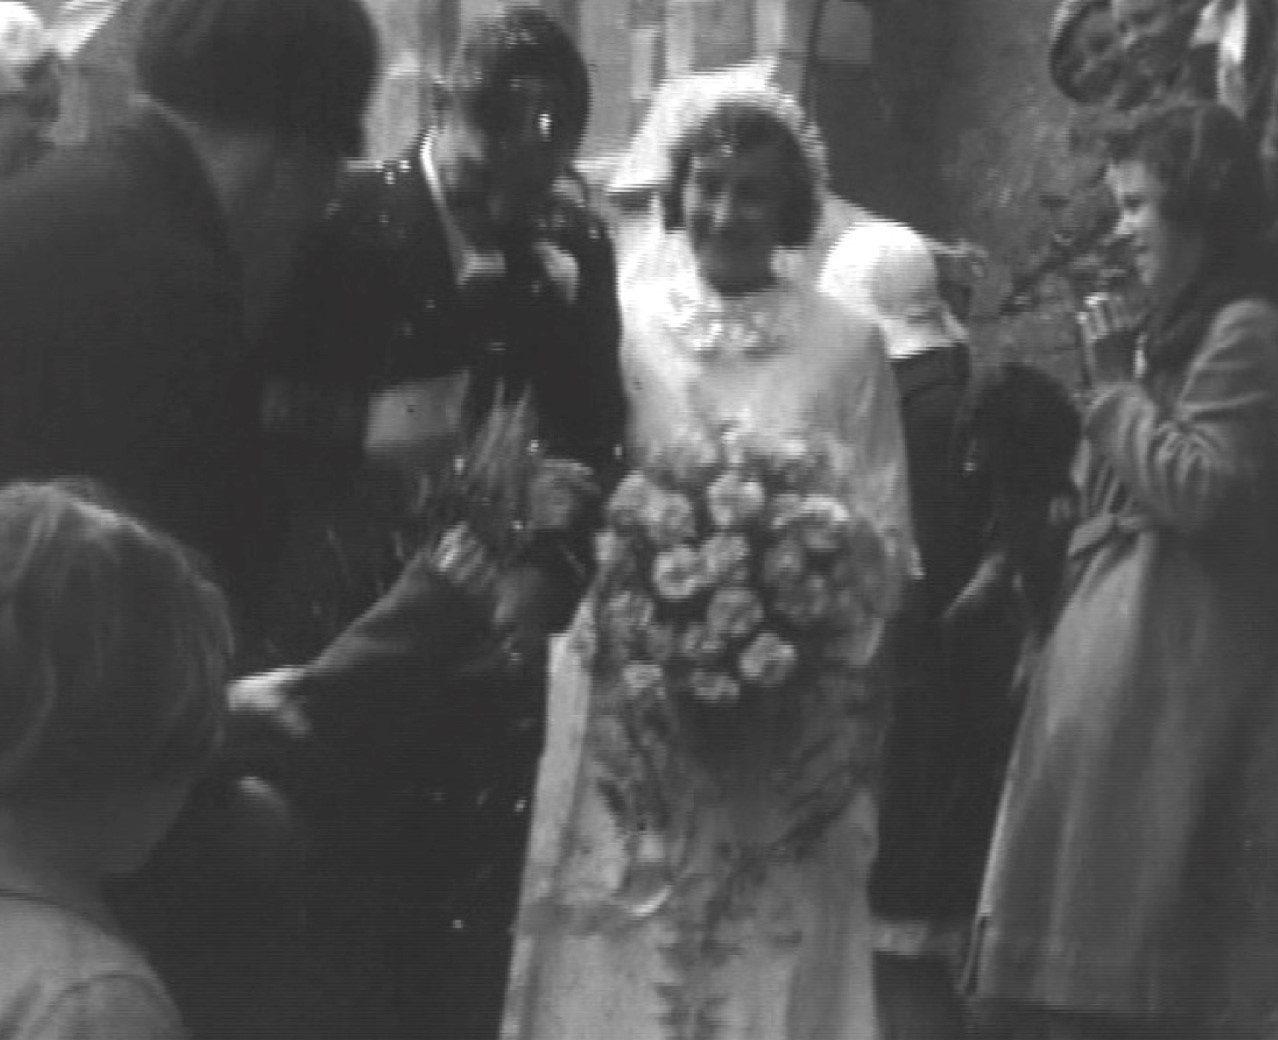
1107 902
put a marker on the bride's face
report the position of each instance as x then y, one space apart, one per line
733 206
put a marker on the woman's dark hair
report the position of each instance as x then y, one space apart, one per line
522 42
1208 165
301 68
739 125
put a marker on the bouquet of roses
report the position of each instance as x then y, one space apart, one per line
739 596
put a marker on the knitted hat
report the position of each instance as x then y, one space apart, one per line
298 67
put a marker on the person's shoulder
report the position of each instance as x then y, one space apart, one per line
63 976
1253 318
108 1006
821 310
78 201
57 194
1257 308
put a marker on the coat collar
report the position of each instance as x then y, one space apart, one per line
1174 332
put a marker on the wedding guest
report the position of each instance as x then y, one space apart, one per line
447 285
1084 53
135 272
114 653
941 760
1111 895
30 87
136 268
1157 38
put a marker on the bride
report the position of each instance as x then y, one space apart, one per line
717 337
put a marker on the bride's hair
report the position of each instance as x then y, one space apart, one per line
745 122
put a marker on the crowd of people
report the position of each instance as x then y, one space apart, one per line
292 750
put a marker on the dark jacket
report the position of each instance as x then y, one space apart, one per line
425 754
944 751
376 303
123 354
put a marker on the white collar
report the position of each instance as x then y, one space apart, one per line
458 247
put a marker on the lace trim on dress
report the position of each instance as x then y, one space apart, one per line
710 325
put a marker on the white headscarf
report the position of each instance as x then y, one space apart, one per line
886 272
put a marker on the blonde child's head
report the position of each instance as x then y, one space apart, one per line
114 653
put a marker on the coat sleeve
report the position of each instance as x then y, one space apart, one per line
1211 450
394 655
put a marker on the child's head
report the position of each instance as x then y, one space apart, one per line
114 651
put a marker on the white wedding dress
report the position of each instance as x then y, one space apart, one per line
783 359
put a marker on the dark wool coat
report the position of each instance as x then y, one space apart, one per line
123 353
947 742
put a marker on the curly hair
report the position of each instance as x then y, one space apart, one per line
114 646
1208 165
743 122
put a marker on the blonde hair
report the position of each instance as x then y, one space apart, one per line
114 646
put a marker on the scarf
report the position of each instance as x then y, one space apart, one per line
1174 332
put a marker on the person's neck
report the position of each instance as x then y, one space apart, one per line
41 859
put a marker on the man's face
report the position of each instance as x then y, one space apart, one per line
504 148
1161 249
1093 59
1155 34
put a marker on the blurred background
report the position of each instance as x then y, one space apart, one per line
936 112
